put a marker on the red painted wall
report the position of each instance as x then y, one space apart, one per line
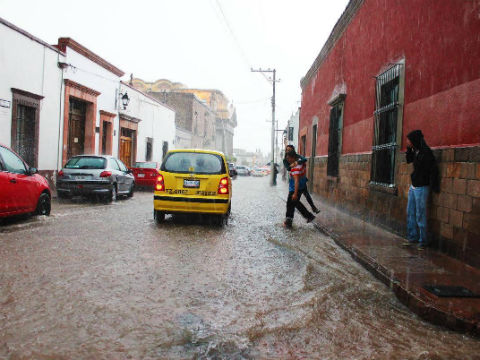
440 42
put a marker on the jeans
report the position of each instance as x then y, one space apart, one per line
291 205
417 214
309 199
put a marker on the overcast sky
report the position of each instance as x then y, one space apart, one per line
200 43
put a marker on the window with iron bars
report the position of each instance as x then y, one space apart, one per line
385 136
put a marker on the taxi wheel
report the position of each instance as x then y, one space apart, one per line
159 216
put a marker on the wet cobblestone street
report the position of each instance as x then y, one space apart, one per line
97 281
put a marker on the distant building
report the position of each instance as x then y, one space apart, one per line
194 119
292 130
249 158
388 68
222 123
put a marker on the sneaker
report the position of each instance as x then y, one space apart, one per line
310 219
421 246
288 223
408 243
315 210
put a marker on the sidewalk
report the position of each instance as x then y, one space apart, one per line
407 270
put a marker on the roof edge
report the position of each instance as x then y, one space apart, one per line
337 31
65 42
30 36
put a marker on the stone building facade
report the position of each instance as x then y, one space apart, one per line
364 94
224 113
192 116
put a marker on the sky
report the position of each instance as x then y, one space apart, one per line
201 43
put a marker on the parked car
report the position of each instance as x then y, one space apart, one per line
22 189
145 173
95 175
193 181
232 170
257 172
243 170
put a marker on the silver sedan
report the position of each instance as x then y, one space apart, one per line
95 175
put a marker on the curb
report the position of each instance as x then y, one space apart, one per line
411 300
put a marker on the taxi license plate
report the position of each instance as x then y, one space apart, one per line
191 183
141 175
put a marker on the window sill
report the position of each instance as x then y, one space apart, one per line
385 188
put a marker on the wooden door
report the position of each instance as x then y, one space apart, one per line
76 128
126 150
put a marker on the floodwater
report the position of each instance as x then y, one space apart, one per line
98 281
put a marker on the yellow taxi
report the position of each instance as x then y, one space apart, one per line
193 181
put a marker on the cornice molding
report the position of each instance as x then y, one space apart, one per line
27 94
107 114
63 43
129 118
82 88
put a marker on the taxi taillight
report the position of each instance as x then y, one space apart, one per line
160 183
223 186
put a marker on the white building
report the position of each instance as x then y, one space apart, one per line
292 129
31 97
156 125
90 123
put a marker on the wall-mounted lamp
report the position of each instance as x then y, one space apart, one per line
125 100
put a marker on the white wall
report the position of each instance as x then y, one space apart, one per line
94 76
295 123
157 122
27 65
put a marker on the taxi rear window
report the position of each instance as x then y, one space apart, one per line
198 163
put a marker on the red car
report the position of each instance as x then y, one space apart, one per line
22 189
145 173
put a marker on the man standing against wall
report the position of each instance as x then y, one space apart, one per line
424 177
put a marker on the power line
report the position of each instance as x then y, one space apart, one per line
232 33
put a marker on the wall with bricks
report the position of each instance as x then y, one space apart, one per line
441 84
454 213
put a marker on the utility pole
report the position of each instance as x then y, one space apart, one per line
273 80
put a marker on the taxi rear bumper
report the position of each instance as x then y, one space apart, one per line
181 204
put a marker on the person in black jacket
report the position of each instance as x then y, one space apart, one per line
424 177
300 160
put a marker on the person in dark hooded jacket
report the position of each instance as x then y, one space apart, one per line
424 177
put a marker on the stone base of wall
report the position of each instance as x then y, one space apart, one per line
454 213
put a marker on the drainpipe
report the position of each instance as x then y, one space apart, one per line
60 113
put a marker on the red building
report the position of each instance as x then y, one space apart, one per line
389 67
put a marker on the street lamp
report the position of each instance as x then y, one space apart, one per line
125 100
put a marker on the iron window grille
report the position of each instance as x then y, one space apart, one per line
334 139
385 127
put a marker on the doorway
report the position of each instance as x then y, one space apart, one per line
127 137
76 127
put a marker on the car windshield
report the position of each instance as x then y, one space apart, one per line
199 163
146 165
86 162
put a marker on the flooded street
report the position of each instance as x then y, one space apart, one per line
98 281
